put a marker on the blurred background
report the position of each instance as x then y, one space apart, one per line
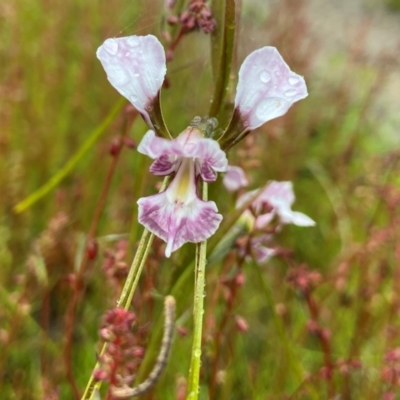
319 320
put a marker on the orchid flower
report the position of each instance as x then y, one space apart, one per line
136 67
177 215
277 198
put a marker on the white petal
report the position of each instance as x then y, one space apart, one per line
278 194
267 87
296 218
135 66
154 146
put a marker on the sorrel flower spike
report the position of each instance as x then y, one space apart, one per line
178 215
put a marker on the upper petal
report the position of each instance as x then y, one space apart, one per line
135 66
279 194
267 87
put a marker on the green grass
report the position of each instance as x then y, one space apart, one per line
54 94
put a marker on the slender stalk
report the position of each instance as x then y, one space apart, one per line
198 311
55 180
221 51
127 294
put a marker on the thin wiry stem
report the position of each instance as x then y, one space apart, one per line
127 293
162 359
198 311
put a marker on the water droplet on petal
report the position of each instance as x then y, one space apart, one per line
277 73
111 46
265 76
127 54
133 98
133 41
293 80
290 93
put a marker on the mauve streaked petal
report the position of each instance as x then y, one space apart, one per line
135 66
267 87
210 151
235 178
178 224
164 166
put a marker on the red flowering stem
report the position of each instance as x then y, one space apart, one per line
325 345
79 289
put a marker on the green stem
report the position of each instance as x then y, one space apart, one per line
73 161
222 40
127 293
126 296
198 311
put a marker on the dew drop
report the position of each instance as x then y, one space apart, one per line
111 46
133 98
127 54
293 80
133 41
290 93
197 353
277 73
265 76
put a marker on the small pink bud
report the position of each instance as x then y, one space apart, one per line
389 396
91 249
182 331
241 324
130 143
106 334
115 147
313 327
173 19
100 375
240 279
138 352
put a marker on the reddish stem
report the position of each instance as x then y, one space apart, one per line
80 287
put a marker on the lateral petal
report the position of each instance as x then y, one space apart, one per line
267 87
136 67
